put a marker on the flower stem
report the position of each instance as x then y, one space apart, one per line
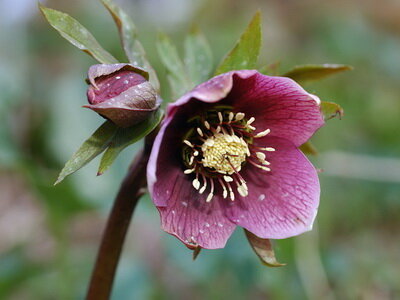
117 226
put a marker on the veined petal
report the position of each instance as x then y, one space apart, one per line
183 210
280 104
190 218
276 103
282 202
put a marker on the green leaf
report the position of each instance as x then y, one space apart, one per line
308 148
331 110
76 34
272 69
127 136
263 249
177 75
198 56
307 73
132 47
246 51
92 147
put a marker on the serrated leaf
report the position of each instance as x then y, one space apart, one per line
92 147
198 57
308 148
246 51
129 38
76 34
307 73
331 110
263 249
177 75
127 136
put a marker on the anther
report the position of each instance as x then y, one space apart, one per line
239 116
211 194
242 191
231 115
225 191
262 133
188 143
207 125
221 119
203 188
228 178
259 166
260 155
209 197
188 171
231 194
196 183
199 131
251 120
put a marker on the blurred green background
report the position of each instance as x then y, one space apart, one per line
49 235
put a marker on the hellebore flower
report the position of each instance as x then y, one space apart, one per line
227 155
121 93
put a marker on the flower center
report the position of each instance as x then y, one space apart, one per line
225 153
216 148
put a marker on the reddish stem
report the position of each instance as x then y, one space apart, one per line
117 226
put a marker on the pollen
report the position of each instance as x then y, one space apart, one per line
225 153
216 149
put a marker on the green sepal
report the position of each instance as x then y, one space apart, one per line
198 56
308 148
245 53
113 140
263 249
76 34
92 147
130 43
124 137
308 73
331 110
196 252
177 76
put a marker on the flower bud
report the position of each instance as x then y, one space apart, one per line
121 93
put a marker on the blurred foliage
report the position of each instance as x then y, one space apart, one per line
49 235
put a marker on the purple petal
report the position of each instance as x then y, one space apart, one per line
188 216
100 70
283 202
184 212
280 104
277 103
169 137
171 190
129 107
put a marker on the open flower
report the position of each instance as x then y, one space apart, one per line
227 155
121 93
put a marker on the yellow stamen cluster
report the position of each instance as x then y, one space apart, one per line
225 153
218 150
